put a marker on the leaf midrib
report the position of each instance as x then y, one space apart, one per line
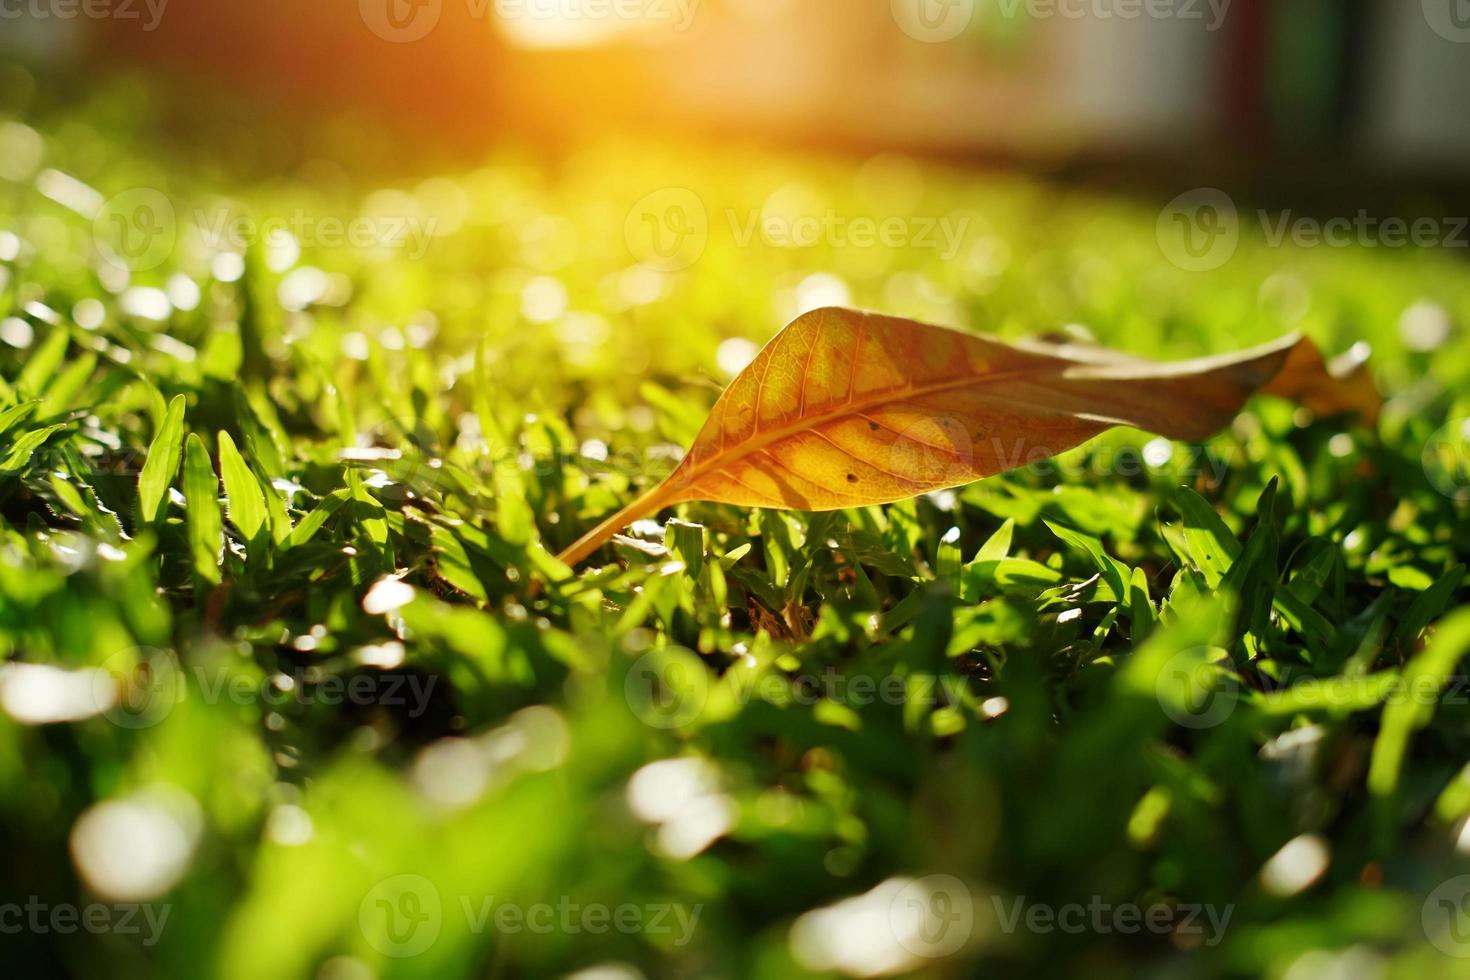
761 440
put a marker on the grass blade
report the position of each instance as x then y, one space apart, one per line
246 502
201 491
162 463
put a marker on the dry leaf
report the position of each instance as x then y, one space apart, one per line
847 409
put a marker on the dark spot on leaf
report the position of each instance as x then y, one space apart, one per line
852 478
874 426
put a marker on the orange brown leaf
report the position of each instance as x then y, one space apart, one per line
848 409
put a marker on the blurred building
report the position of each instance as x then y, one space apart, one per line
1366 83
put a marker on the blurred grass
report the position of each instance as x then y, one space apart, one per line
297 502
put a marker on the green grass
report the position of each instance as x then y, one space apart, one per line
1009 685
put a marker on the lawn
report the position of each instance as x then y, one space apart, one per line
293 684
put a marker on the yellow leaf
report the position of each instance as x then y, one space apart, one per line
847 409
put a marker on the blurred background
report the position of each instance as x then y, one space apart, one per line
1296 91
